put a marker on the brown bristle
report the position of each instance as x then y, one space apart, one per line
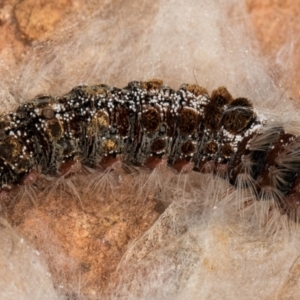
211 147
212 116
152 84
188 121
151 119
196 89
241 102
221 96
188 148
158 145
96 89
226 150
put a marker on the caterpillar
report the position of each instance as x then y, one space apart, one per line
147 123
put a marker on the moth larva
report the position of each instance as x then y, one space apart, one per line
146 123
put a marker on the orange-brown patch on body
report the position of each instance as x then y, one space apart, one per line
226 150
211 147
221 96
158 145
196 89
109 145
188 121
151 119
188 148
241 102
153 84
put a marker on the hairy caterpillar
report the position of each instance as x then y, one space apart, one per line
200 247
144 124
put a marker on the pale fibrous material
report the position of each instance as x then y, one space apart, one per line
23 276
213 241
